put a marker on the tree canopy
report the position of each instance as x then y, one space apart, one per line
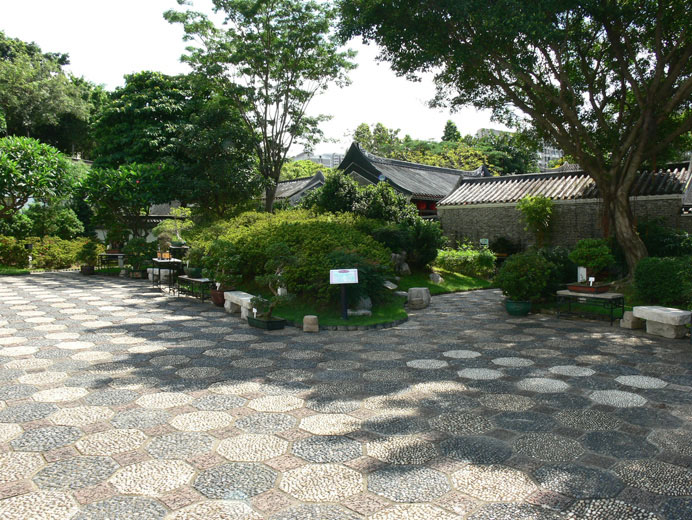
608 81
30 169
38 99
270 57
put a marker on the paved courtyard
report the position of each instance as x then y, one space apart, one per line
117 402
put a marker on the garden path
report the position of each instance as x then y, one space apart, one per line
119 402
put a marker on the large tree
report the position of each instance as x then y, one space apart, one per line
270 57
29 170
39 99
608 81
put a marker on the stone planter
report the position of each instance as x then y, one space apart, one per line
267 324
217 297
517 308
87 269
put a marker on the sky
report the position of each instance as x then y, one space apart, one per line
107 39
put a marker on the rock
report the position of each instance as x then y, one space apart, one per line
403 294
400 265
665 330
364 304
311 323
351 313
628 321
389 285
405 270
436 278
418 298
283 291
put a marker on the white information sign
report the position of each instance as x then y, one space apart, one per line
340 276
485 242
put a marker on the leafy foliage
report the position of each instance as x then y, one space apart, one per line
451 132
468 260
524 276
222 263
562 270
301 169
120 198
53 220
664 280
269 58
88 254
47 252
610 83
592 253
30 169
279 256
140 253
537 211
661 240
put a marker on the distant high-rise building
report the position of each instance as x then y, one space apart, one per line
330 160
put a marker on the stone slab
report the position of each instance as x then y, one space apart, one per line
665 330
418 298
628 321
666 315
236 301
311 323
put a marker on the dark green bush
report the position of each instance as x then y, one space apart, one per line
88 254
420 239
592 253
140 253
371 275
13 252
664 280
503 245
661 240
524 276
338 194
468 260
222 263
47 252
563 270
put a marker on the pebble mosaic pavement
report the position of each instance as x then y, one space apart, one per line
120 402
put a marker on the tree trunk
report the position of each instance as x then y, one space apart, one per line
625 230
270 193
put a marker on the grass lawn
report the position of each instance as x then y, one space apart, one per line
108 271
453 282
12 271
331 314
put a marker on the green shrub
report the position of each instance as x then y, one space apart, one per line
371 276
467 260
140 253
524 276
420 239
13 253
47 252
664 280
563 270
222 263
537 212
88 254
661 240
311 238
504 246
592 253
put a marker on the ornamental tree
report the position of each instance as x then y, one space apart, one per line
30 169
608 81
270 57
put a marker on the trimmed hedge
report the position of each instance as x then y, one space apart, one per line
314 240
664 280
467 260
47 253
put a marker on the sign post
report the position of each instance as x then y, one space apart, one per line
343 277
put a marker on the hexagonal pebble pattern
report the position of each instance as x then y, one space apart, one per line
180 445
9 431
327 448
81 415
152 477
216 510
275 403
578 481
53 505
201 421
111 442
617 398
641 381
608 508
46 438
461 423
494 483
139 508
322 482
542 385
548 447
330 424
675 441
19 465
163 400
60 394
235 481
408 483
656 476
404 449
75 473
413 512
252 447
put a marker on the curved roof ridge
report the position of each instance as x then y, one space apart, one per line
409 164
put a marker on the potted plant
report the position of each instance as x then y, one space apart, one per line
595 255
88 256
221 265
279 257
116 236
164 243
522 277
139 255
194 262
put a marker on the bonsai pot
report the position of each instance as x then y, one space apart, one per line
217 297
87 269
585 287
517 308
267 323
193 272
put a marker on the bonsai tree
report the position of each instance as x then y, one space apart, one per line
523 276
592 253
194 260
280 257
140 253
87 256
221 264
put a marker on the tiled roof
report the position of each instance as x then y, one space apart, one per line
687 199
287 189
561 186
417 180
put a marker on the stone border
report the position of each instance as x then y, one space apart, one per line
386 325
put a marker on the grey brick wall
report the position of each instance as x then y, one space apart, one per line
572 220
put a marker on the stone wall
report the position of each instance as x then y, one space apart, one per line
572 220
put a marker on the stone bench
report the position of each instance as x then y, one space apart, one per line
238 301
664 321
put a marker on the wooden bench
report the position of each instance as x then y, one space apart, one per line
238 301
664 321
608 300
